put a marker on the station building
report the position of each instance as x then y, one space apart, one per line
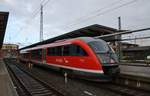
9 50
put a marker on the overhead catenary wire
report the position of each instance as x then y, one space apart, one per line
98 10
85 19
43 3
46 2
96 13
34 14
28 21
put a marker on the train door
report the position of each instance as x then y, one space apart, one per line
66 55
44 56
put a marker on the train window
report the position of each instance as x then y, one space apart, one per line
74 50
78 51
50 51
66 50
58 51
36 54
55 51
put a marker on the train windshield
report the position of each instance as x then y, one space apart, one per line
99 46
104 52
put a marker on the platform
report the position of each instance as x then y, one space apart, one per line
6 84
141 71
136 64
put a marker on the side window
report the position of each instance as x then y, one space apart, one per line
50 52
33 54
36 54
80 51
58 50
55 51
66 50
74 50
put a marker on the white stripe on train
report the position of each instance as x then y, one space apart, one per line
78 69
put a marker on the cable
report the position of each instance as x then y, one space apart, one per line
44 4
101 9
35 12
107 6
88 18
102 13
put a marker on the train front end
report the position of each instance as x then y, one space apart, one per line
107 58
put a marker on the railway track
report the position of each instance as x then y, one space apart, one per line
29 85
117 88
121 90
124 90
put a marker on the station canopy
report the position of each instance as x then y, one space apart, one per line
3 23
89 31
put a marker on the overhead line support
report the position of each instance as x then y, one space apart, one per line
41 24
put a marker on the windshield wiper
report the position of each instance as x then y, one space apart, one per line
102 52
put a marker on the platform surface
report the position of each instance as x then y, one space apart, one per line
6 85
141 71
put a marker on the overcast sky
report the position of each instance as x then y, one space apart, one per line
62 16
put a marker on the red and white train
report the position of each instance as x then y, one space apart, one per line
84 57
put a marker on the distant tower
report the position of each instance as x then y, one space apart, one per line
41 23
119 37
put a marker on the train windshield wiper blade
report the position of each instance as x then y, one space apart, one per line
102 52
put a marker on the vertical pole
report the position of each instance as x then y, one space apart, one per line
41 24
119 23
0 54
119 37
66 78
135 40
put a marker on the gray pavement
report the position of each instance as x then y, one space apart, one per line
143 71
6 85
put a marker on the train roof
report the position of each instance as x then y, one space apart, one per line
61 42
89 39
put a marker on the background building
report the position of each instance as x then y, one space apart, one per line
139 53
10 50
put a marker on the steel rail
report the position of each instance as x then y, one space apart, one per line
32 85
